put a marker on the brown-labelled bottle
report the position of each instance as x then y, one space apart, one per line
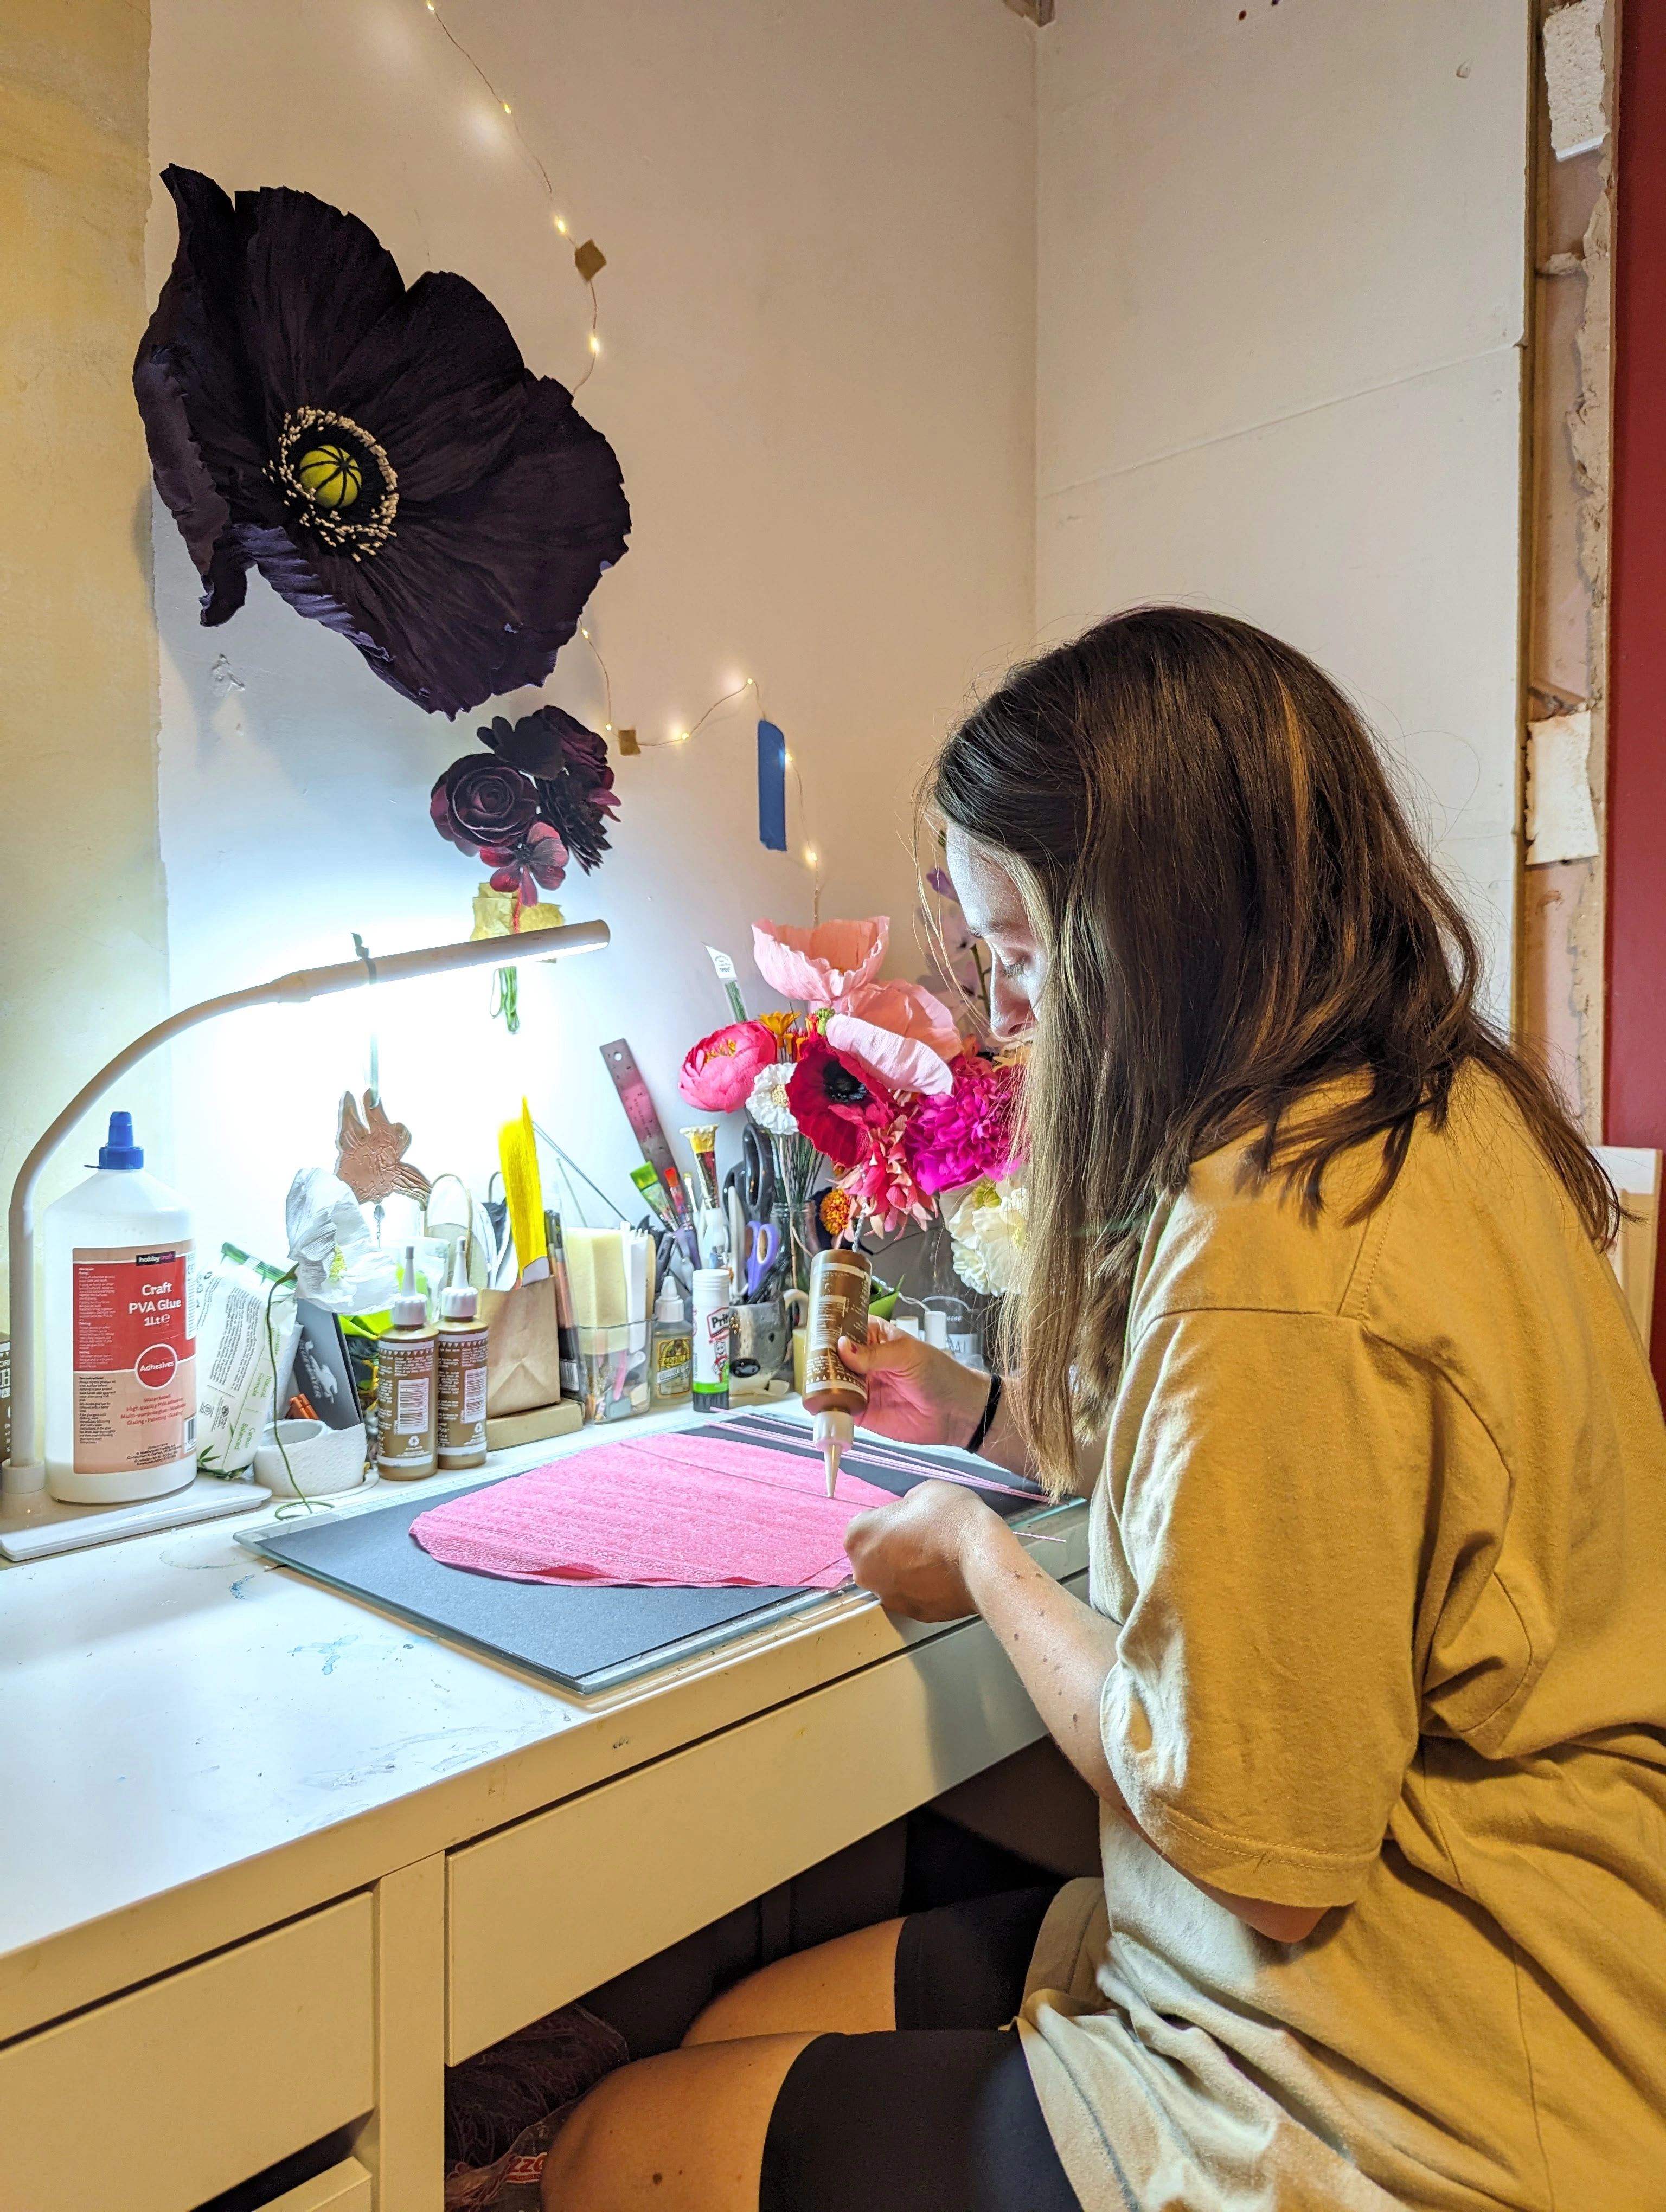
840 1282
461 1361
407 1402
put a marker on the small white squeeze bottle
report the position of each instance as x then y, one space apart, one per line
460 1360
120 1329
407 1402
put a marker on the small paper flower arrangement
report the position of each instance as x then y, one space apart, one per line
540 798
381 453
874 1081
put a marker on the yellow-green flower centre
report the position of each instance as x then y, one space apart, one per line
337 483
331 475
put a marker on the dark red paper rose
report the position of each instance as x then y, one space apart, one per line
484 805
835 1104
380 453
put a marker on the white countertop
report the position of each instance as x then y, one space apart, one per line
175 1710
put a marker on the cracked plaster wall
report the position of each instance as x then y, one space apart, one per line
1561 1001
83 918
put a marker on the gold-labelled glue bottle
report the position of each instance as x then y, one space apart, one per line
407 1402
461 1361
840 1282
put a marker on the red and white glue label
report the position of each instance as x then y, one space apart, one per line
135 1358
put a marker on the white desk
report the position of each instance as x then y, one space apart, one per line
269 1859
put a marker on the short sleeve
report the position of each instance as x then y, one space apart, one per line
1270 1476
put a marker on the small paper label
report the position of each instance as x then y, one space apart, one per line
411 1413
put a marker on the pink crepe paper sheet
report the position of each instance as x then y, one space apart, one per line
686 1511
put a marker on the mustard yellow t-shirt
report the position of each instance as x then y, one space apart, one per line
1383 1522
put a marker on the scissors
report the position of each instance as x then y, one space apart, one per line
762 1251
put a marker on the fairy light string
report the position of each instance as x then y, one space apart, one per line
589 261
588 258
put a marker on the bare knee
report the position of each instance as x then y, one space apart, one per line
845 1987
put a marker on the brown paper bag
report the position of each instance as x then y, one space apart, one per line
523 1348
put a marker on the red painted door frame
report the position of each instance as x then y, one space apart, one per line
1636 1024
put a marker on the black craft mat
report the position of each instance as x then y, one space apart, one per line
585 1639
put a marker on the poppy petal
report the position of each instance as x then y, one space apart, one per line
439 383
898 1063
477 595
315 283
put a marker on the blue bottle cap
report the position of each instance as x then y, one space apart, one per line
121 1152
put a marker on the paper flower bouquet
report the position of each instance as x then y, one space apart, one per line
872 1084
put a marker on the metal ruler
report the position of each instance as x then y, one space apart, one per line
621 1064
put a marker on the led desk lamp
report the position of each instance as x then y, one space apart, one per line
30 1523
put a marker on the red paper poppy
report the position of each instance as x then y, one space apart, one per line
834 1105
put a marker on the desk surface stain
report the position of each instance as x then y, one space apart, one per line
332 1651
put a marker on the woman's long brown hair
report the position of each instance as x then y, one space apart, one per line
1234 910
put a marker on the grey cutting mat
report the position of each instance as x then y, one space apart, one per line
585 1639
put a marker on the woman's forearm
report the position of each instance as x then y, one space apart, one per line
1062 1648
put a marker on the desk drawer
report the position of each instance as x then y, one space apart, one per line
546 1910
165 2097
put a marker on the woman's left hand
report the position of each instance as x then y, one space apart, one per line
914 1555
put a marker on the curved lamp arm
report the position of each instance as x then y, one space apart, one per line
22 1472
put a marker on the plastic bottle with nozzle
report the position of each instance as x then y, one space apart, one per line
833 1432
840 1282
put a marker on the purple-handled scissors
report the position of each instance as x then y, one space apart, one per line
762 1251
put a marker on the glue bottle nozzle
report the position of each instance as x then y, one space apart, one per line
834 1432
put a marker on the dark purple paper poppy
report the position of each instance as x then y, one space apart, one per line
382 455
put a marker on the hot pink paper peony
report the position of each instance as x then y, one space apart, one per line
718 1075
954 1139
820 965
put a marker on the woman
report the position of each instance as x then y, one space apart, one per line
1373 1680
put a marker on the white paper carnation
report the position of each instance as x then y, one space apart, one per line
768 1104
986 1224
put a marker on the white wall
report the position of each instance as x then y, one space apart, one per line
819 318
1280 307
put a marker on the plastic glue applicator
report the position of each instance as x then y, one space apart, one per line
839 1285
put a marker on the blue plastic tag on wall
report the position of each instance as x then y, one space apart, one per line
772 787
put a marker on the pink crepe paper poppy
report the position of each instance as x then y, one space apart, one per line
719 1073
901 1031
820 965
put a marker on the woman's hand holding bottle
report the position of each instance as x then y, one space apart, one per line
915 1393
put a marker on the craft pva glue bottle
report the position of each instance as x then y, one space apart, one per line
120 1332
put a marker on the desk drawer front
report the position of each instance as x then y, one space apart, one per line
167 2096
548 1909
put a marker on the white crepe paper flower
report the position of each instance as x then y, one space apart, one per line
986 1226
768 1104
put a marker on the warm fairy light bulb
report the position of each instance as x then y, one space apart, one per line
584 633
560 225
595 343
809 856
507 110
787 759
